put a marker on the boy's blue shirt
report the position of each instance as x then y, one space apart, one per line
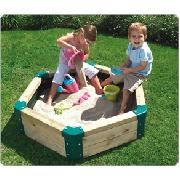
142 53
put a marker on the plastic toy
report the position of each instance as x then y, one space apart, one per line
85 96
71 56
116 71
111 92
70 85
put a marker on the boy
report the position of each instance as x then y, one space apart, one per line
137 66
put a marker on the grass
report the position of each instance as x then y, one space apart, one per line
24 53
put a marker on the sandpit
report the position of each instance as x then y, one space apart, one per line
82 130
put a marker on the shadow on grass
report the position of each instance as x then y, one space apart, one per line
33 152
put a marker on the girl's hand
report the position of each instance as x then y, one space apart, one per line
126 70
74 49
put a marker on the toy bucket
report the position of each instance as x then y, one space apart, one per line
70 84
71 55
111 92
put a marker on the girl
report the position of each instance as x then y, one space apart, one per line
76 41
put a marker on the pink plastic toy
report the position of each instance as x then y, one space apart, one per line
84 97
70 85
71 56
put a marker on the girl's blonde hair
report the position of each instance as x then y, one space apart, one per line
90 32
138 27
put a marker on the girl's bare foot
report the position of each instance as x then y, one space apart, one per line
95 82
99 91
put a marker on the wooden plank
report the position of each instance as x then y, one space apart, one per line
109 143
105 124
43 132
30 90
36 127
109 134
103 69
35 115
42 137
140 99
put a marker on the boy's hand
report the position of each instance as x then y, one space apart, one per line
126 70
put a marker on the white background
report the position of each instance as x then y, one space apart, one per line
89 7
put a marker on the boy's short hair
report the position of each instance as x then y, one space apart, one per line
138 27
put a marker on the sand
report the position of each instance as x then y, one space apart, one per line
90 110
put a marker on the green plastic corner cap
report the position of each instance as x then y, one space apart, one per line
141 112
20 105
91 62
73 142
41 74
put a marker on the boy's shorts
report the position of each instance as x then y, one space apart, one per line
89 70
131 81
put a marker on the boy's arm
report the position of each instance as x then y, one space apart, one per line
135 69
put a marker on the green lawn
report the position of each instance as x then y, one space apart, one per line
24 53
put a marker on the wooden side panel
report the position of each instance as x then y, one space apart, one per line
103 69
110 143
105 124
30 90
140 96
44 131
109 134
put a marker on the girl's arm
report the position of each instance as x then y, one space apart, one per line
65 41
86 52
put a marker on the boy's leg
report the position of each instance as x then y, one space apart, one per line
113 79
52 93
95 82
126 95
131 83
